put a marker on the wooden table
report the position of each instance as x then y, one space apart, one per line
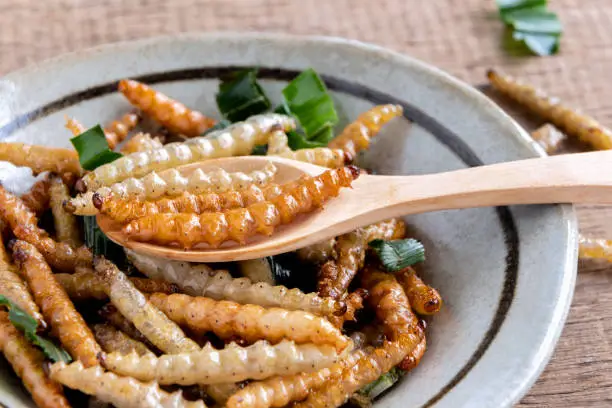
462 37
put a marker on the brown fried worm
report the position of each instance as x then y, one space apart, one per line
282 390
336 276
152 323
14 288
573 123
85 285
595 248
201 280
319 252
549 137
320 156
172 183
357 135
110 313
122 392
249 322
239 224
424 299
118 130
27 361
413 359
74 126
38 198
231 364
141 142
171 114
238 139
221 392
59 312
113 340
41 158
25 227
354 303
66 225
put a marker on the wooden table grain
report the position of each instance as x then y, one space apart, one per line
463 37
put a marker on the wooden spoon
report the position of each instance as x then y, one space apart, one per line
576 178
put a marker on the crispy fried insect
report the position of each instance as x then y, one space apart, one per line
85 285
66 323
113 340
156 327
319 252
249 322
549 137
25 227
200 280
424 299
172 183
119 391
280 391
336 276
413 359
321 156
595 248
27 361
74 126
572 122
118 130
354 303
141 142
38 198
171 114
221 392
238 139
357 135
231 364
110 313
239 224
66 226
41 158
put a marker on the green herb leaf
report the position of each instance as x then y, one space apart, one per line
222 124
382 384
51 350
241 96
398 254
93 149
297 141
18 316
535 21
260 150
512 5
539 44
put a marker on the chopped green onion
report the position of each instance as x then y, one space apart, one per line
241 96
93 149
222 124
398 254
382 384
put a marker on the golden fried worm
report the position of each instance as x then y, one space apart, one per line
152 323
141 142
319 252
413 359
66 225
231 364
549 137
113 340
110 313
320 156
221 392
238 139
37 199
122 392
59 312
200 280
119 129
249 322
41 158
595 248
27 361
424 299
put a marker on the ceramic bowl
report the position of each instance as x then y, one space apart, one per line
506 274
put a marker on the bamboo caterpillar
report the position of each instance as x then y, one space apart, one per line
141 142
110 313
122 392
320 156
413 359
354 303
27 361
200 280
549 137
235 140
239 224
595 248
41 158
66 323
38 198
66 225
113 340
119 129
424 299
172 183
319 252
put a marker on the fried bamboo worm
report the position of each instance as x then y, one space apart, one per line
575 124
66 323
66 226
320 156
38 198
238 139
171 114
24 225
13 287
87 285
27 361
424 299
200 280
152 323
41 158
113 340
231 364
118 130
119 391
319 252
240 224
280 391
249 322
110 313
221 392
172 183
413 359
357 135
336 276
141 142
595 248
354 303
549 137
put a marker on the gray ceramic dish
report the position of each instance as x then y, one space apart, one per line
506 274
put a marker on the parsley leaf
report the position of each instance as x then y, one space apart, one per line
241 96
398 254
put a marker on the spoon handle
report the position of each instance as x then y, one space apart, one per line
575 178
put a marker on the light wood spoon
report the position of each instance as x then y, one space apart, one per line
576 178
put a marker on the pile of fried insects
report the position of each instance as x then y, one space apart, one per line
88 323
